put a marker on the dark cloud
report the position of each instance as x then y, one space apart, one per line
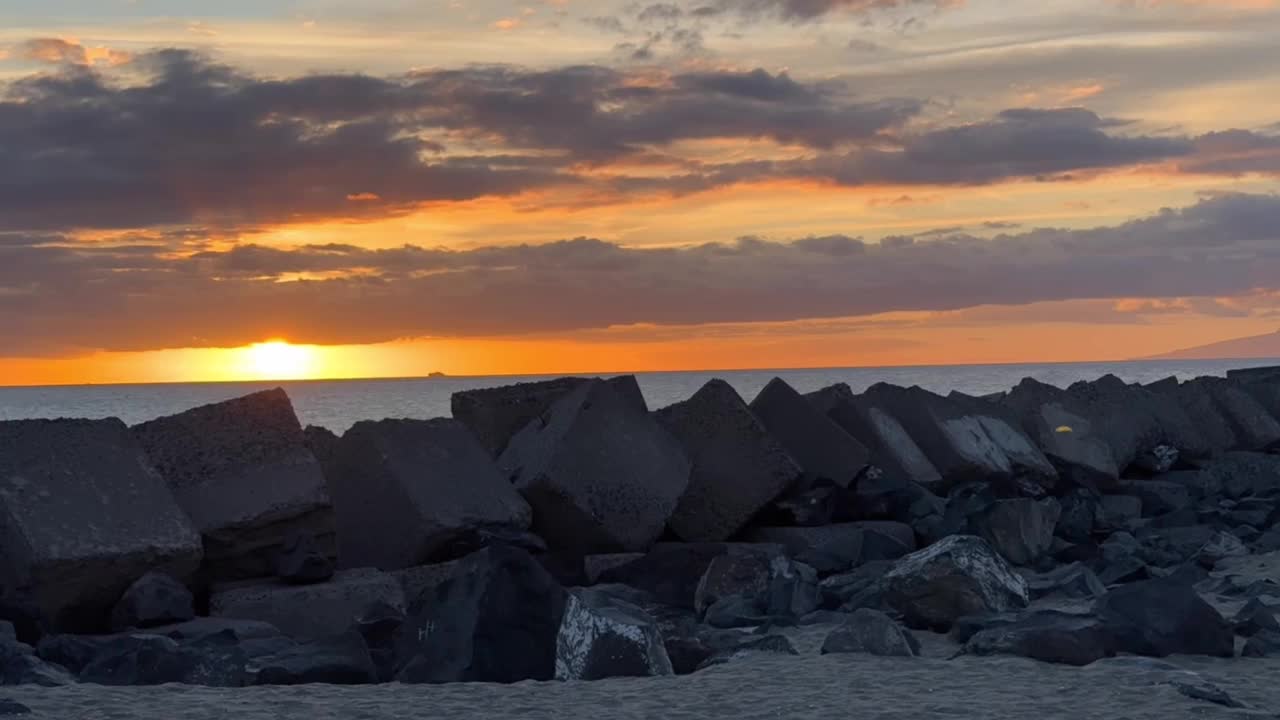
808 10
175 139
143 296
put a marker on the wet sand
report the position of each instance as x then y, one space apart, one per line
764 686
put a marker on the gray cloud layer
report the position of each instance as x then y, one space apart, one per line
175 139
144 297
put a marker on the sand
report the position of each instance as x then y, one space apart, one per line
763 686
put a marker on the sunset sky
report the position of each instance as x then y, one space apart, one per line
396 187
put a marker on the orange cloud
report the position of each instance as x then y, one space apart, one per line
506 24
70 51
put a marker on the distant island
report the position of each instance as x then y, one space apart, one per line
438 375
1256 346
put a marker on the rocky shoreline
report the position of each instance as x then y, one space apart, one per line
562 531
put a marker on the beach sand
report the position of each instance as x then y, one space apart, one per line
763 686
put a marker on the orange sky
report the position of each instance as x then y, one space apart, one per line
838 184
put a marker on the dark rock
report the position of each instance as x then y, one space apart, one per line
20 666
830 549
1219 547
20 609
958 576
84 517
595 566
404 490
301 562
1263 643
1119 512
495 415
671 572
601 476
13 707
1197 400
808 507
1254 618
338 660
154 599
1051 637
890 446
746 589
1021 530
738 466
1254 427
1062 426
871 632
864 587
1074 581
1241 474
885 540
1079 515
1158 497
378 625
1163 547
495 620
138 660
967 440
822 448
309 612
243 472
1123 570
1159 618
769 645
602 637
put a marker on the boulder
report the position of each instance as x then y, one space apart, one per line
821 503
1263 384
1047 636
863 587
1255 617
243 472
602 637
745 589
1221 546
967 440
154 599
1196 399
890 447
885 540
20 666
1118 512
1158 497
1241 474
496 620
1073 582
670 572
495 415
822 448
961 575
742 649
1079 516
378 625
336 660
134 660
1264 643
829 549
595 566
1163 617
82 516
600 475
873 633
1253 425
308 612
404 490
738 467
1021 530
301 561
1064 430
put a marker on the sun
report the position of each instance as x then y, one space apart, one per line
278 360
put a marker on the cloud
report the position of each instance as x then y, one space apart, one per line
69 51
146 296
176 139
808 10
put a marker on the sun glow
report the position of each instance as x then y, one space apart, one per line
277 360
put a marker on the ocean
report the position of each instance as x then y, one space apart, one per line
338 404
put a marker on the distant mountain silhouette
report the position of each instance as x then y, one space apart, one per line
1257 346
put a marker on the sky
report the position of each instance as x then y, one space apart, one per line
235 190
